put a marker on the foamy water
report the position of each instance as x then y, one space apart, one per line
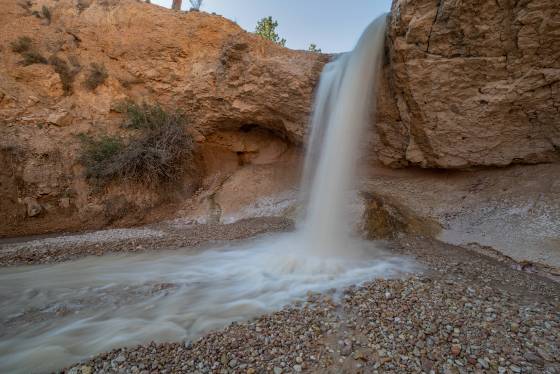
55 315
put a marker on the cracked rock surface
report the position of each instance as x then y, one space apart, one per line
476 83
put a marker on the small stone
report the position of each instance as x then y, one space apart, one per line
456 350
233 363
515 369
483 363
514 327
360 356
120 358
277 370
297 368
531 357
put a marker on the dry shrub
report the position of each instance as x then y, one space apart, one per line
33 57
66 72
22 44
154 156
46 14
96 76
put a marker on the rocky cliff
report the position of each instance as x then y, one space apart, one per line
464 86
476 83
246 99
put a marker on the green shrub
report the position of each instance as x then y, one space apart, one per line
153 156
22 44
148 117
96 76
313 48
33 57
266 28
98 154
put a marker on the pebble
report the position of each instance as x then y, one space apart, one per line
436 331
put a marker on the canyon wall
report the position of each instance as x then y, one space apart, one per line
464 86
475 83
246 100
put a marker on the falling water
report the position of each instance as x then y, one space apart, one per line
343 108
55 315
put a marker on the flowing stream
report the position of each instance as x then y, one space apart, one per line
56 315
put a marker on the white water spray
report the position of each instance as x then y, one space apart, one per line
55 315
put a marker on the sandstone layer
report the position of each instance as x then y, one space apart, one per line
247 101
475 83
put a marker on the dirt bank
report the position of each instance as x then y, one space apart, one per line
162 236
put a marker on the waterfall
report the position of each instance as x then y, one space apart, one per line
115 301
344 104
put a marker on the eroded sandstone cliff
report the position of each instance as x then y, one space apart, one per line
476 83
247 101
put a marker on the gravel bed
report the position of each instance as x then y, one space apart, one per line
159 237
466 314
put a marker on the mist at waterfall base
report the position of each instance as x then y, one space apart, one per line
56 315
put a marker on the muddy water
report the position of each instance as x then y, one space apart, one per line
55 315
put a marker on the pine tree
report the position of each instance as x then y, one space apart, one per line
313 48
266 28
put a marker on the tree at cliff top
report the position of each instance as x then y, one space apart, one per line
313 48
266 28
176 4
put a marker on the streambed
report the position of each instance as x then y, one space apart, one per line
54 315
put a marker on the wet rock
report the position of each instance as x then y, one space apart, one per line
385 218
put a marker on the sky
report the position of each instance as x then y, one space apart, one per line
334 26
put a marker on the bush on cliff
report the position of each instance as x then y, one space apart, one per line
32 57
24 46
154 155
96 76
66 72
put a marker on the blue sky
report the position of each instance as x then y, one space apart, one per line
334 26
